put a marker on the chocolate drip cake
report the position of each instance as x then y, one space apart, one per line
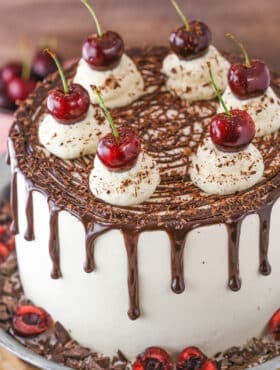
137 225
194 263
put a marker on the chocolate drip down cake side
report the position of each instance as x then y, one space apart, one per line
146 210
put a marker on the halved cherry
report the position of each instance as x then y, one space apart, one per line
190 358
209 365
11 243
4 252
153 358
274 325
31 320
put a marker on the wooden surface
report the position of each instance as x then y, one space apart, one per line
140 22
10 362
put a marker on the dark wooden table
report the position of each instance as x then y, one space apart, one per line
140 22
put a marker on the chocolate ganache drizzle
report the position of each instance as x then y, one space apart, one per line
171 130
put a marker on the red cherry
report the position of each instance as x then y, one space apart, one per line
118 150
71 104
192 43
121 153
4 252
192 40
105 52
274 325
71 107
11 70
234 132
11 244
19 88
102 51
191 358
153 358
249 81
43 65
31 320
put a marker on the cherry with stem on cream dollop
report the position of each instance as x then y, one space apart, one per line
119 150
232 130
102 51
249 79
69 105
191 40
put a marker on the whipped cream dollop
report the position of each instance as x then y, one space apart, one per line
125 188
190 80
74 140
119 86
217 172
264 109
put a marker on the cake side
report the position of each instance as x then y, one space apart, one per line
178 212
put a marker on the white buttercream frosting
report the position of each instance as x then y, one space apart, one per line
119 86
217 172
75 140
265 109
125 188
190 80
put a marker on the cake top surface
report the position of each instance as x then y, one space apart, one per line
171 130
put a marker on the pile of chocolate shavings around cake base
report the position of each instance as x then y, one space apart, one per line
57 345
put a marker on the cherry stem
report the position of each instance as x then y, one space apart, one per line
217 90
242 47
105 110
48 42
92 12
26 67
52 53
181 14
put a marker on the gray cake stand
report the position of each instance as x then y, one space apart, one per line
10 344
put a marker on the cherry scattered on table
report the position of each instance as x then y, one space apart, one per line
103 50
5 101
42 65
70 104
20 88
30 321
20 84
10 71
119 149
153 358
192 39
233 130
249 79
